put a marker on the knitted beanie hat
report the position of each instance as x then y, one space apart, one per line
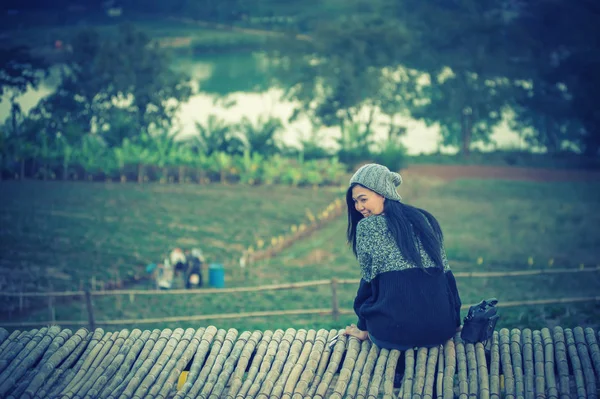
379 179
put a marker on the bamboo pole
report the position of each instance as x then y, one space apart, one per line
538 356
409 372
259 356
198 359
495 366
69 374
312 363
13 350
517 362
472 369
528 365
26 358
229 365
509 379
210 376
89 366
375 384
389 374
586 362
9 341
430 372
576 364
57 373
242 364
3 336
439 383
461 361
272 365
273 385
334 362
370 362
131 364
482 372
109 370
351 390
552 389
592 343
150 353
58 341
294 354
140 384
449 369
96 372
352 351
16 356
169 373
562 364
322 365
300 364
421 371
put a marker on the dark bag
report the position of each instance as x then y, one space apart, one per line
480 322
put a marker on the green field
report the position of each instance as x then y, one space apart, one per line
65 232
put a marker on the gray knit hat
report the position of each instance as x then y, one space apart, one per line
379 179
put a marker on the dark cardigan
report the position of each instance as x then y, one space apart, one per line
398 302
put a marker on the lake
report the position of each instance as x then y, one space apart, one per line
243 82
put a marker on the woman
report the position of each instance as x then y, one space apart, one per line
407 295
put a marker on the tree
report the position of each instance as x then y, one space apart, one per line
119 87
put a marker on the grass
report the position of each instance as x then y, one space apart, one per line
503 222
62 233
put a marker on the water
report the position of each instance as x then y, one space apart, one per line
233 86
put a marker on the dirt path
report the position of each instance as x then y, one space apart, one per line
452 172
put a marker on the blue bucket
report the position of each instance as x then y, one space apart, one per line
216 275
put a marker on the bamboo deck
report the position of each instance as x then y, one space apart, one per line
59 363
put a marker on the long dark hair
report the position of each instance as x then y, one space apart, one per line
405 222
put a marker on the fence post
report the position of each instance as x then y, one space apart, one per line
90 309
51 304
335 307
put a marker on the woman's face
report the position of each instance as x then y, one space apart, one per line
366 201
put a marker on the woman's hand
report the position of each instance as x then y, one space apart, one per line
353 331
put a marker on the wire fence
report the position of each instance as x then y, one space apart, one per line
334 311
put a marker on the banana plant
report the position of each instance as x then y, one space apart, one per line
162 148
130 153
273 169
249 166
184 158
261 136
221 163
312 173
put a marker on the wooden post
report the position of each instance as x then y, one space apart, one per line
51 304
335 307
90 309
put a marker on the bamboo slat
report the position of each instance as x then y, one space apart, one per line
482 372
409 373
352 351
562 364
295 364
517 362
199 357
592 343
575 364
528 368
266 363
312 364
244 360
586 363
461 360
277 366
256 363
495 366
538 357
322 365
3 335
472 369
370 361
300 364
